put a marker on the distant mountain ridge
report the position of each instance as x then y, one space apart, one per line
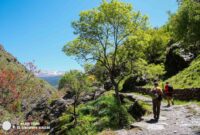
52 77
53 80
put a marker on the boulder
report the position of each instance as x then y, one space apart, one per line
136 110
132 82
58 107
176 59
68 95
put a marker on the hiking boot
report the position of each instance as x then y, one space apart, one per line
156 120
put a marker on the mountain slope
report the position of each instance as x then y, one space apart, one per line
30 89
189 77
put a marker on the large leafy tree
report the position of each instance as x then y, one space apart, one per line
101 34
156 45
185 25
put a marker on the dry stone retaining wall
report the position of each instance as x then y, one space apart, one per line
181 94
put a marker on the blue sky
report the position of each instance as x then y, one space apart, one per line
38 29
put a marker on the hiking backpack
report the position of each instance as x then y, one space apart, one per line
170 88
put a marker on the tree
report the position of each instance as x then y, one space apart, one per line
149 71
102 33
156 46
76 82
29 72
185 25
88 68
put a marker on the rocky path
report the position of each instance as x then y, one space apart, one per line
175 120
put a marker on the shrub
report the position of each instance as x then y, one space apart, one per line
96 116
8 86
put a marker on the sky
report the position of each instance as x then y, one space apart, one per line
38 29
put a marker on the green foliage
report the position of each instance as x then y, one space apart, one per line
150 71
75 81
185 25
102 33
189 77
96 116
100 72
156 46
103 108
84 127
29 88
88 68
78 83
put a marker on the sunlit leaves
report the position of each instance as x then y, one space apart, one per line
185 25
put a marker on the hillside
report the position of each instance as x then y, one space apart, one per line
29 89
189 77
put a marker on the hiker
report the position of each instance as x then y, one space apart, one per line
156 100
169 94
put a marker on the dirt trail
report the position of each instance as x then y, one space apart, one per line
175 120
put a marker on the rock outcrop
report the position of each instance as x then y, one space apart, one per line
133 82
177 59
49 113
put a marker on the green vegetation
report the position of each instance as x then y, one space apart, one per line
76 82
189 77
125 49
180 102
185 24
101 35
19 86
98 115
156 45
125 52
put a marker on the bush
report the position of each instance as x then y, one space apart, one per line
8 87
96 116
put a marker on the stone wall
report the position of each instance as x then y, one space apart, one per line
181 94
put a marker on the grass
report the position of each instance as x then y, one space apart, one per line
176 101
180 102
99 115
189 77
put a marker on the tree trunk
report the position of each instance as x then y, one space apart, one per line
116 88
75 119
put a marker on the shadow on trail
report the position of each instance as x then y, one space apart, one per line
151 121
197 132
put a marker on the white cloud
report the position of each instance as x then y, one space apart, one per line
46 73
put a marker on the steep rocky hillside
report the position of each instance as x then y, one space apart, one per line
29 89
189 77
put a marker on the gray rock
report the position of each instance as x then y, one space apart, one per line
177 59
